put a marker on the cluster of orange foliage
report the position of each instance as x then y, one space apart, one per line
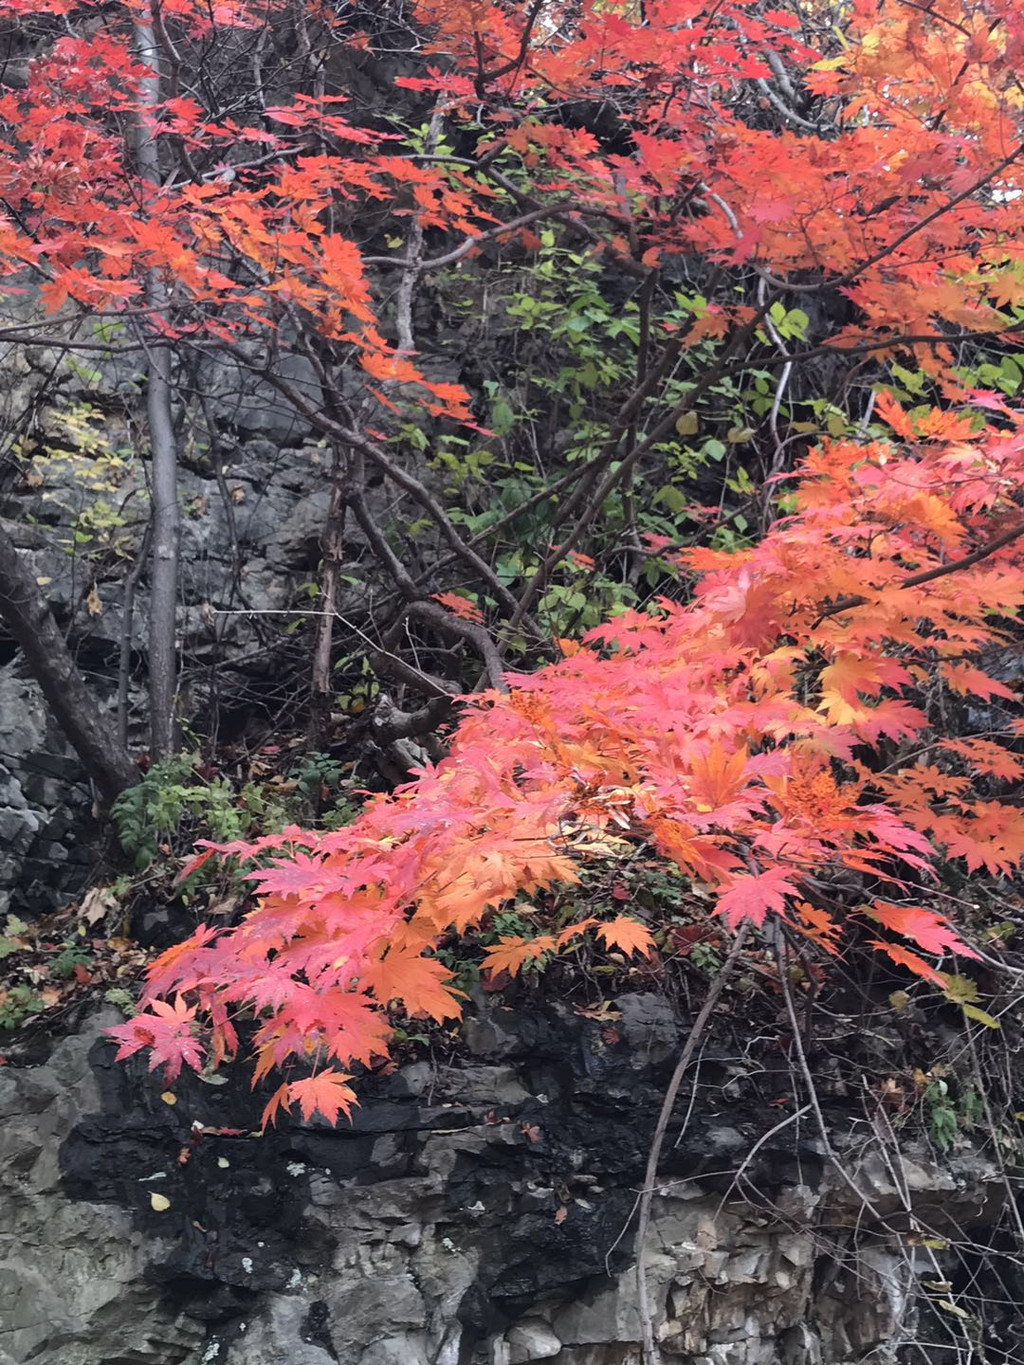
747 737
905 191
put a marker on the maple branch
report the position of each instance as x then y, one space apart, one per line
779 459
808 1079
434 614
864 348
1012 1201
917 580
22 338
376 537
623 469
457 253
163 445
28 618
391 723
570 215
393 666
790 115
331 547
651 1354
124 663
484 77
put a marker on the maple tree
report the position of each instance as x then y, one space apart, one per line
864 163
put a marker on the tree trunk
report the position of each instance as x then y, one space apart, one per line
333 539
163 591
27 616
163 597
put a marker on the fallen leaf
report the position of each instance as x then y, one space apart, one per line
159 1203
93 605
96 904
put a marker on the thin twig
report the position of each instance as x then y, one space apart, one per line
124 665
651 1354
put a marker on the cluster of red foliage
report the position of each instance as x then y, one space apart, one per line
746 736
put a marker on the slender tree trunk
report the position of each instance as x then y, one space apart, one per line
163 600
26 614
163 592
320 683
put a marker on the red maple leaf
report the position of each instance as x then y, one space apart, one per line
750 896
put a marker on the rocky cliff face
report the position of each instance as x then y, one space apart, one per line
254 491
476 1212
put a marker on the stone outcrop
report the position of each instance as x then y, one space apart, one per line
476 1212
74 498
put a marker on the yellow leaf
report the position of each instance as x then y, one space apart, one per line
961 990
951 1307
159 1203
169 1097
687 424
979 1016
93 605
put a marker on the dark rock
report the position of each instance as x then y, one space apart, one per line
461 1222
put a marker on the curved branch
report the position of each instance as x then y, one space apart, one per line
916 580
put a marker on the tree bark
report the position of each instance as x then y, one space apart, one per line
166 522
27 615
332 544
163 591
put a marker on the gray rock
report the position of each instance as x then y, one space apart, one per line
275 1333
292 1248
487 1085
531 1339
649 1025
404 1349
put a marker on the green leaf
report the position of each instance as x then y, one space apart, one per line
835 422
669 496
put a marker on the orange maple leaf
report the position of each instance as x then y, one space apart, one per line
627 935
326 1093
512 952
